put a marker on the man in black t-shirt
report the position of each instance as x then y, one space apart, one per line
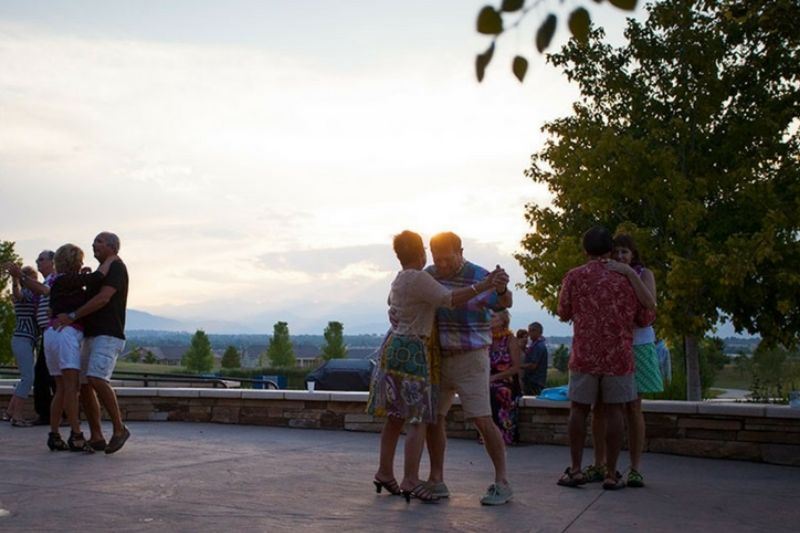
103 318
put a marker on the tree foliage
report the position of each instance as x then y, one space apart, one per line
491 22
199 357
231 358
686 138
334 347
561 358
7 317
280 351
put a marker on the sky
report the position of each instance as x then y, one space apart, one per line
256 157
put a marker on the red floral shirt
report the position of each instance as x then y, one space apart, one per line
604 310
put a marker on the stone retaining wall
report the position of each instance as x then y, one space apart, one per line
752 432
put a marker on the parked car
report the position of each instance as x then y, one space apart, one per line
343 375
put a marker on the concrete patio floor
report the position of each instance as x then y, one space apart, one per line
210 477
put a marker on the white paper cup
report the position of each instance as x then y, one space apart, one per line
310 386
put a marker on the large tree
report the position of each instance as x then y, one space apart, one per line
280 351
7 317
199 357
687 137
334 347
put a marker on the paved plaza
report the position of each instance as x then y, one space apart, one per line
212 477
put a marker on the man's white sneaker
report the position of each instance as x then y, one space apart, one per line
497 494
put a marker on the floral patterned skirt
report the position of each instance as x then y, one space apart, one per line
405 382
504 409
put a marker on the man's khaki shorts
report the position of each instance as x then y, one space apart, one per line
466 373
591 388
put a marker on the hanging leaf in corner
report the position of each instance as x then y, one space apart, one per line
545 33
520 67
628 5
579 22
482 61
489 21
509 6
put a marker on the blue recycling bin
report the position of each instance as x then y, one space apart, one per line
261 381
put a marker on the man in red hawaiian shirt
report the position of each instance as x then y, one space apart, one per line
603 308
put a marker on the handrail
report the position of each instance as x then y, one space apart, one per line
146 377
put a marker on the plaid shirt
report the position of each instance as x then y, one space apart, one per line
467 327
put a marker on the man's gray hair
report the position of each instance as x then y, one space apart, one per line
112 240
50 254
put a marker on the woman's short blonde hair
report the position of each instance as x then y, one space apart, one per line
505 316
69 258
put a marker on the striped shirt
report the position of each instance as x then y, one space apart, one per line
25 311
42 316
466 327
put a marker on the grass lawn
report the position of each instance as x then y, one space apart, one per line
126 366
730 378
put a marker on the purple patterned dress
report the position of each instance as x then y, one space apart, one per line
502 391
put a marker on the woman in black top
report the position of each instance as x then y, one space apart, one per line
62 345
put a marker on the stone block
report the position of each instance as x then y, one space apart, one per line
462 434
347 407
549 417
546 404
137 415
159 416
660 420
777 437
221 393
731 409
707 448
782 411
307 396
710 434
302 414
363 426
179 393
350 397
266 394
783 425
669 406
143 392
710 423
331 420
358 418
305 423
198 414
225 415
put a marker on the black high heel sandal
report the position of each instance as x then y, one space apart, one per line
78 443
56 443
421 492
391 486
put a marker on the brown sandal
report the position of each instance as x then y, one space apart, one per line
572 479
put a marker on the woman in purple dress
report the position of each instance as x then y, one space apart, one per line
504 355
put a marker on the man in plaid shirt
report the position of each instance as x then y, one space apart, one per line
465 336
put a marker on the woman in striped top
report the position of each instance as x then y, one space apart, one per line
22 345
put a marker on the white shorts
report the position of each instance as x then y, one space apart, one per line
99 356
62 349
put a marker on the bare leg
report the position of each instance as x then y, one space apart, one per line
57 405
389 436
615 428
495 447
108 399
437 442
577 433
92 409
636 432
415 441
599 433
70 379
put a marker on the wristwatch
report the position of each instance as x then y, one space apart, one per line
72 316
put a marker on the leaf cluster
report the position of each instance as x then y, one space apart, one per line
7 316
491 22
